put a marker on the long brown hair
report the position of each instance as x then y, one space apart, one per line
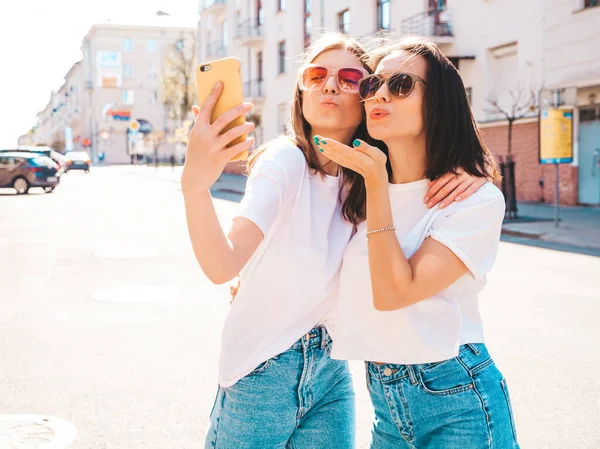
352 193
452 135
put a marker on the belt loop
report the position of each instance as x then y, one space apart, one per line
474 348
304 340
411 374
324 336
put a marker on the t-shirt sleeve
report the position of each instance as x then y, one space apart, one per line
471 229
272 183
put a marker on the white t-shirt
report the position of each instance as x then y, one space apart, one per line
431 330
290 283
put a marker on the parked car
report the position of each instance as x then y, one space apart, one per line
78 160
22 170
57 157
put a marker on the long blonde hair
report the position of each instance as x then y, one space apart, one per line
299 130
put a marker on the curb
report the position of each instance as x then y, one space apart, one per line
538 240
527 235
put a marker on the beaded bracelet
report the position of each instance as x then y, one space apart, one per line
374 231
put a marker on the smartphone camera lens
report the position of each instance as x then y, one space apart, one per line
205 68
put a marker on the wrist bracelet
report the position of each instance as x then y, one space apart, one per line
374 231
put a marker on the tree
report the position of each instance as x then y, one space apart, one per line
519 105
58 143
178 78
257 120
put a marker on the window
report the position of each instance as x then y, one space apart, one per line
224 33
469 91
455 61
590 3
344 21
152 72
179 45
128 45
307 22
259 63
280 5
589 114
127 71
282 57
383 15
128 96
151 45
504 77
437 5
259 13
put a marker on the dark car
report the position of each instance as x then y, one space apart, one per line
22 170
57 157
77 160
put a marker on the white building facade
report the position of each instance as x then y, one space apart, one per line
473 34
571 61
118 80
503 48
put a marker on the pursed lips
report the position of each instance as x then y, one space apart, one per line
378 113
328 103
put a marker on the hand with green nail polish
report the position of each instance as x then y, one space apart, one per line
364 159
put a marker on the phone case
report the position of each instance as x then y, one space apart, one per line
228 71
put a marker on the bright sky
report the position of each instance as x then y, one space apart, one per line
40 40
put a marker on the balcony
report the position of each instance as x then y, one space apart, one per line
216 49
216 7
254 92
250 34
435 25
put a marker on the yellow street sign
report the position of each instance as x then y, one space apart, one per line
556 136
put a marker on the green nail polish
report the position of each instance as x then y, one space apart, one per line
316 139
321 150
324 143
356 142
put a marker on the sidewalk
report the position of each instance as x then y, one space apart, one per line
579 227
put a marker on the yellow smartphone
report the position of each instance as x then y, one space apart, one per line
228 71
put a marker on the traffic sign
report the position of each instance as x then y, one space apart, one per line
134 126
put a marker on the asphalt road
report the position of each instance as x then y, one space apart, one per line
107 323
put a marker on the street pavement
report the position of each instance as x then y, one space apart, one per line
108 324
578 227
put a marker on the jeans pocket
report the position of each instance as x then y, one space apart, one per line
446 378
263 366
509 404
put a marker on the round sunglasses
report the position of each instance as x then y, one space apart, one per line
315 76
398 84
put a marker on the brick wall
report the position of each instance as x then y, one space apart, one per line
528 171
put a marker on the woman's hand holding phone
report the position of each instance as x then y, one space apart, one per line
207 152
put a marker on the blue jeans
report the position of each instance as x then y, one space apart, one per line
460 403
300 399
